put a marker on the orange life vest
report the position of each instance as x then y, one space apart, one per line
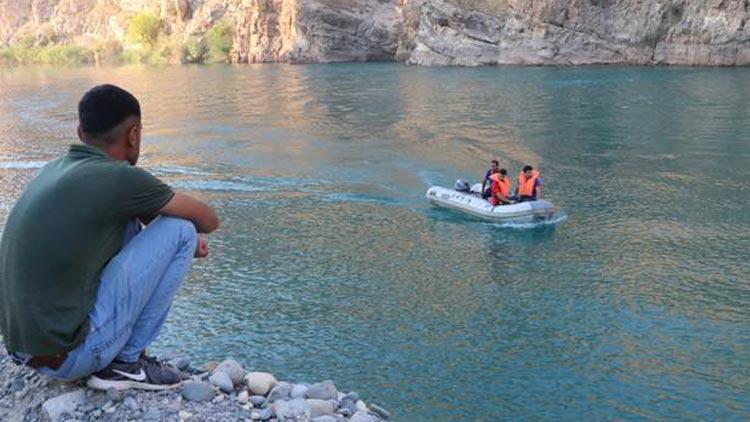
526 187
500 186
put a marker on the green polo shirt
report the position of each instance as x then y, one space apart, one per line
67 224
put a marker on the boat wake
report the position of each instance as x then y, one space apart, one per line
556 219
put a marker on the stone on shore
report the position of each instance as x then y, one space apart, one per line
233 369
258 400
222 380
55 407
298 391
325 390
374 408
319 407
327 418
296 409
363 417
260 382
281 391
197 391
243 397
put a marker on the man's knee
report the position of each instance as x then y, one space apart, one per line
185 229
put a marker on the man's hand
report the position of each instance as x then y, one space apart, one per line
201 250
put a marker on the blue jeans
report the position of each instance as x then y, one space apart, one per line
136 290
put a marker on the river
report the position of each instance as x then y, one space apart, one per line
330 263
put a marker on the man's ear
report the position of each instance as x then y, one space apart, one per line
80 133
133 136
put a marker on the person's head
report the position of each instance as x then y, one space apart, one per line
110 118
494 165
527 170
503 173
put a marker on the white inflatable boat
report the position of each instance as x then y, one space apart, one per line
471 202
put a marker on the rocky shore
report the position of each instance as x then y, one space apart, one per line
215 391
420 32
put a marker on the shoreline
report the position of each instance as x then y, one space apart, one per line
215 391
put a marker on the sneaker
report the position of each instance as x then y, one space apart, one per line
145 374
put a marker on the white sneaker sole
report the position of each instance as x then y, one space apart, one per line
99 384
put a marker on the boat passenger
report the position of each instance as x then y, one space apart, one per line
529 186
500 188
486 193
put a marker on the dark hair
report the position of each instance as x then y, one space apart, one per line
527 168
105 106
495 162
504 172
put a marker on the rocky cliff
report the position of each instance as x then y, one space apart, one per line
422 32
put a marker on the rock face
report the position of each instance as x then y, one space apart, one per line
421 32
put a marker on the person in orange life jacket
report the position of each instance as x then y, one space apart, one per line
500 188
529 185
493 169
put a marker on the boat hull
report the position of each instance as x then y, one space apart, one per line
475 205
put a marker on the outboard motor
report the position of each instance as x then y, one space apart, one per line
462 185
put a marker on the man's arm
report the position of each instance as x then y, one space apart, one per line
184 206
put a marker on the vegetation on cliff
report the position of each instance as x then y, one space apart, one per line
145 41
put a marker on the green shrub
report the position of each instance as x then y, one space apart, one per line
144 29
62 54
108 51
219 41
195 50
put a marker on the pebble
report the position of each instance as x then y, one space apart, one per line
319 407
232 368
266 414
296 409
281 391
374 408
153 415
182 364
349 405
363 417
298 391
222 380
257 401
55 407
197 391
243 397
260 382
185 415
325 390
17 385
114 395
362 406
130 402
326 418
210 366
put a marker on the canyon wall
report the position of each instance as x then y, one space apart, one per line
421 32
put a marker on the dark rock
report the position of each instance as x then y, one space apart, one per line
197 391
325 390
281 391
257 401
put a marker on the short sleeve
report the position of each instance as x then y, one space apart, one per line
140 194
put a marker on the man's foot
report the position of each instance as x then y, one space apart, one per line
145 374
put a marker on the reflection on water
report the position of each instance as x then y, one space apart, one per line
330 264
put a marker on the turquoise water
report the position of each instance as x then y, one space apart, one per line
330 264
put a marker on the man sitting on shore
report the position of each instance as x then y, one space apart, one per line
84 286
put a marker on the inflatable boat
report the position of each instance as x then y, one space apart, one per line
470 201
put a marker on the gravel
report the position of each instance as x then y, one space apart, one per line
27 396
